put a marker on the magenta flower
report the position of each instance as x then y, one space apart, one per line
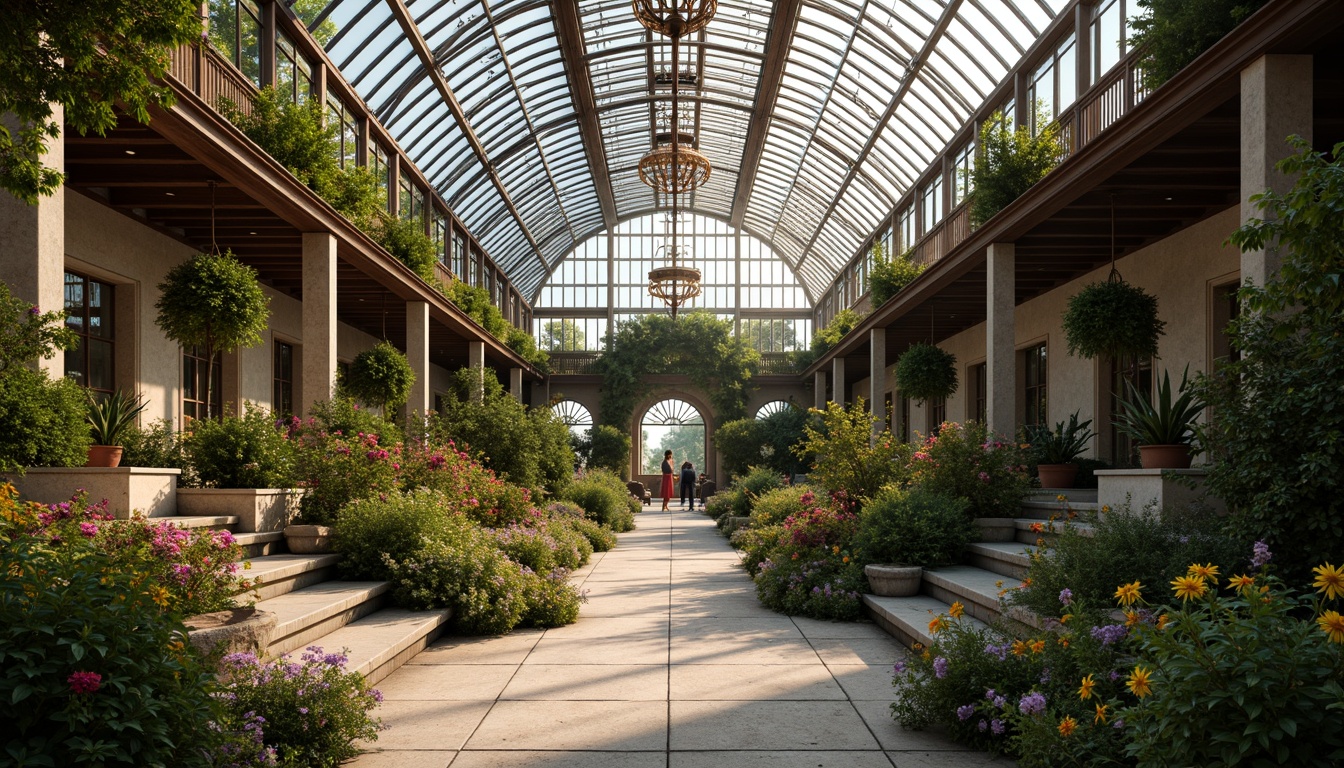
89 530
84 682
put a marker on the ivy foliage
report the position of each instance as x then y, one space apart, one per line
380 376
1112 318
696 344
476 303
890 274
1276 434
1010 162
87 56
294 135
1174 32
406 239
827 338
926 372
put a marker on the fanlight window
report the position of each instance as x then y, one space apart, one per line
675 425
771 408
578 418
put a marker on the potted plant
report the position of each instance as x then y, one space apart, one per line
245 465
902 532
1056 449
1162 427
110 418
926 372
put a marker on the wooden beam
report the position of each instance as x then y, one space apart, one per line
569 31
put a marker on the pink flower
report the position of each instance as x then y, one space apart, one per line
88 529
84 682
984 477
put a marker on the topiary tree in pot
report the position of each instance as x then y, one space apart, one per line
380 377
214 302
926 372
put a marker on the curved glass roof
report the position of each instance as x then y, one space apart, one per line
529 116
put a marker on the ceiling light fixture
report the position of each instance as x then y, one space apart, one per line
677 18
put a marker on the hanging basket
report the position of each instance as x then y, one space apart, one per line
1112 319
926 372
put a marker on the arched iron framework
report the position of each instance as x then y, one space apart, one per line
818 115
575 415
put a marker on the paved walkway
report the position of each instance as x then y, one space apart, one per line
673 664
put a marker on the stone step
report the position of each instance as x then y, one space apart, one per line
975 588
316 611
226 522
1044 509
1073 495
1030 529
907 618
384 640
261 544
1006 558
281 574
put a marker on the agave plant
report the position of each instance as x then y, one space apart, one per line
1160 421
110 417
1062 444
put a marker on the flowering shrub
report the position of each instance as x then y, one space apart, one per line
248 451
338 468
309 712
809 570
93 671
847 456
551 600
774 506
463 570
600 538
401 524
966 461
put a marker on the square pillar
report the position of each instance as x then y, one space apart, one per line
877 378
32 242
476 361
1000 340
516 384
1276 92
838 393
819 390
417 352
319 319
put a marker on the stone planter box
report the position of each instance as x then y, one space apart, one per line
997 528
145 490
894 580
257 509
1164 488
240 630
308 539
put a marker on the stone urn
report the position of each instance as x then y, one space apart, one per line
308 539
239 630
894 580
1057 475
1164 456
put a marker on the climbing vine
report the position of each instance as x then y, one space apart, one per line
698 345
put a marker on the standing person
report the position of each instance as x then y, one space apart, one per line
666 489
688 483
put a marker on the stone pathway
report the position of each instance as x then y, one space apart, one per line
672 664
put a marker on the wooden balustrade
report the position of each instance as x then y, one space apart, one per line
204 72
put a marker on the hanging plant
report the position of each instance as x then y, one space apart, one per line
1112 318
381 376
926 372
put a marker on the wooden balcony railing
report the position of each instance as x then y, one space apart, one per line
201 69
777 363
573 363
1104 103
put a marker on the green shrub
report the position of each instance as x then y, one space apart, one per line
608 448
825 339
462 569
43 421
337 468
296 135
926 372
600 537
1174 32
572 548
1112 318
343 416
380 376
247 451
767 442
914 527
739 443
890 274
755 542
604 499
1010 162
406 240
847 458
398 525
158 446
355 194
966 461
532 548
311 711
522 343
93 671
475 301
774 506
551 600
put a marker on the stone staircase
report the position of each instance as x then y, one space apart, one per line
313 607
991 566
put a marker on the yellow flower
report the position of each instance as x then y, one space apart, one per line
1019 648
159 595
1102 709
1187 587
1140 682
1064 641
937 625
1329 580
1065 618
1085 691
1037 646
957 610
835 550
1162 621
1332 624
1241 582
1067 726
1207 572
1128 593
1061 497
1132 618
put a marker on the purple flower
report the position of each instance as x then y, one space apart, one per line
1110 634
1000 702
34 310
1000 651
88 529
940 667
899 669
303 710
982 725
1066 596
990 694
1261 555
996 726
1119 725
965 711
1032 704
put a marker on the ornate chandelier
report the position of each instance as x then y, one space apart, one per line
674 170
676 18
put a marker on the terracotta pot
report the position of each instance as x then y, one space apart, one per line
104 456
308 539
894 580
239 630
1057 475
1164 456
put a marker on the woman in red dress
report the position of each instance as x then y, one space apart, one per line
666 490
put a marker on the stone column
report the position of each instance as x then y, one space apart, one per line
1276 92
417 352
838 394
877 378
516 383
32 242
1000 339
819 390
319 319
476 361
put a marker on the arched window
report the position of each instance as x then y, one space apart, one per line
675 425
771 408
578 418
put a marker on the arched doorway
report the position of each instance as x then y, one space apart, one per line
671 424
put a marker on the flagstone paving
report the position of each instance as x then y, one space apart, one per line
672 664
